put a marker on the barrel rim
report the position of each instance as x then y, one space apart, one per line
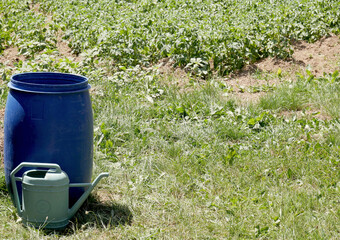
23 82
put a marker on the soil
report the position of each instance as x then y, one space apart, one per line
320 57
317 114
64 50
35 7
10 56
62 45
173 76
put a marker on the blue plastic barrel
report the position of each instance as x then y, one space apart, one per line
48 119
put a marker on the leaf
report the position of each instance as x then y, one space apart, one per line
279 72
290 173
122 68
251 122
231 155
335 76
181 110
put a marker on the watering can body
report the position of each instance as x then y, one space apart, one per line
45 195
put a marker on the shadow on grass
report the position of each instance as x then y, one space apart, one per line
96 215
3 187
93 214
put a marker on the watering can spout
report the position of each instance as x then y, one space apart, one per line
82 199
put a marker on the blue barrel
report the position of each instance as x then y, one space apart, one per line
48 119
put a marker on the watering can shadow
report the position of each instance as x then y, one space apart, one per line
45 195
100 213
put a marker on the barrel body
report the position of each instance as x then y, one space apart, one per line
48 119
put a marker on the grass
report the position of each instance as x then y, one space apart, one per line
289 97
196 165
320 93
187 161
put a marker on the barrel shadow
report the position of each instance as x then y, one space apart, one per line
3 187
96 214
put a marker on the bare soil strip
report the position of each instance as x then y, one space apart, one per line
320 57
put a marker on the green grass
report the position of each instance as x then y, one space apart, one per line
196 165
186 161
307 92
288 97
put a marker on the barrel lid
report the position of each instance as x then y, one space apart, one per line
48 82
45 178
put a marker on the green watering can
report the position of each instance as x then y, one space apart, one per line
45 195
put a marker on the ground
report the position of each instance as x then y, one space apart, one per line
247 85
320 57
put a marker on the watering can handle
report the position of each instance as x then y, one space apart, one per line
14 179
